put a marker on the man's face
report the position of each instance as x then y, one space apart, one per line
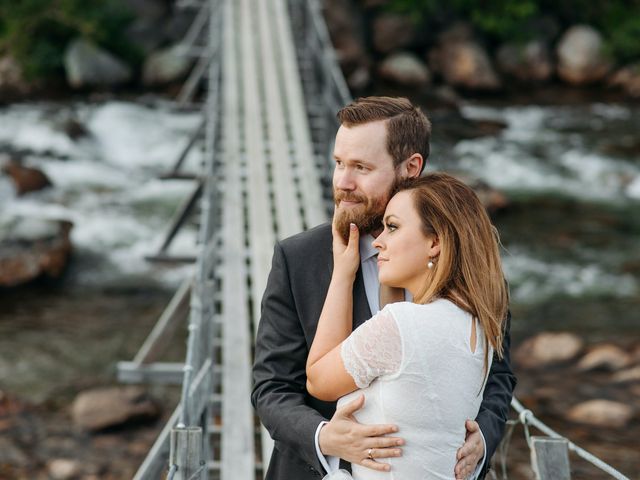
363 177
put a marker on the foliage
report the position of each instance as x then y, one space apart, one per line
512 20
36 32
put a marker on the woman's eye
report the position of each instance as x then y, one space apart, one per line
391 227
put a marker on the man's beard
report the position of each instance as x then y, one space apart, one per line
367 216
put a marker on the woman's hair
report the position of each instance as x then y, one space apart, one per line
468 270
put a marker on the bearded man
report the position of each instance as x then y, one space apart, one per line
381 140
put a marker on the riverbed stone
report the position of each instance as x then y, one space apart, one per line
601 413
492 199
112 406
581 56
627 78
462 61
404 68
63 469
392 31
529 63
32 247
12 81
629 375
88 65
548 348
25 179
604 357
165 66
347 32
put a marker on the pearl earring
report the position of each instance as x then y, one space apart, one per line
430 265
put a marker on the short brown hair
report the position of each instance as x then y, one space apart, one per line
408 128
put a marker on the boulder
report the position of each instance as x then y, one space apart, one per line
87 65
604 357
601 413
463 62
405 69
530 62
112 406
25 179
392 32
548 348
32 247
63 469
346 29
627 78
165 66
629 375
12 81
581 56
492 199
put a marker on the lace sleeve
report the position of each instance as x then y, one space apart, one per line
374 349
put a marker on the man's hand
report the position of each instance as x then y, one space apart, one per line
344 437
471 452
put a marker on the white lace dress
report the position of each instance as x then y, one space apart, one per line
415 366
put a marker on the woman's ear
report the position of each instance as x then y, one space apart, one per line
434 247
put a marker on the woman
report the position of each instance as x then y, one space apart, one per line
420 365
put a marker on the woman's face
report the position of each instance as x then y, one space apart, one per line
403 249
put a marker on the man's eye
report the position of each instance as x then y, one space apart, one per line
360 167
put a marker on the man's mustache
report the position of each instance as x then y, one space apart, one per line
349 197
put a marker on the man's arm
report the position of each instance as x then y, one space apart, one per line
279 370
494 410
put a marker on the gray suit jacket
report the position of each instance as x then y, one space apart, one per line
291 306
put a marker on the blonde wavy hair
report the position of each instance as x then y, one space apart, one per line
468 270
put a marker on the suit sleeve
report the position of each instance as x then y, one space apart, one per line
279 390
494 409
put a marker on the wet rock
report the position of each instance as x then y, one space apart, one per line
627 78
548 348
463 62
86 65
392 32
25 179
601 413
359 79
604 357
528 63
406 69
108 407
165 66
74 129
12 81
32 247
63 469
581 56
629 375
492 199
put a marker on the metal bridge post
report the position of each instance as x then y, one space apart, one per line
185 458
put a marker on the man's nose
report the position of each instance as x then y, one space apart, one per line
344 180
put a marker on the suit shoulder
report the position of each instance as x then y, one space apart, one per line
314 239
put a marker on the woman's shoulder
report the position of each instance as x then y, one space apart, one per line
435 309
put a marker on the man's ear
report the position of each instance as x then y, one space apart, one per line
412 166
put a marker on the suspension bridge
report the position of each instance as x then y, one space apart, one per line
267 83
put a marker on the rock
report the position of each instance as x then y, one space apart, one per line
581 56
148 9
548 348
462 62
88 65
601 413
346 29
12 81
392 32
359 79
628 375
32 247
63 469
627 78
25 179
492 199
165 66
527 63
74 129
406 69
108 407
604 357
145 34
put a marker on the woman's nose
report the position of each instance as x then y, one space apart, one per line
377 243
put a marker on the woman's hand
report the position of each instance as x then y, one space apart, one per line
346 256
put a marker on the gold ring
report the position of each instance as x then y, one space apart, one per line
370 454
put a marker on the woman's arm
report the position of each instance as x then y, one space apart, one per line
327 378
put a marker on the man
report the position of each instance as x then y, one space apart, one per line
380 141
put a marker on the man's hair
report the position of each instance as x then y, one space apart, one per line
408 128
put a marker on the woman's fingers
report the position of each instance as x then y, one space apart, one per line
354 237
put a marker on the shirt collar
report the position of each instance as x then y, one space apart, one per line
367 249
